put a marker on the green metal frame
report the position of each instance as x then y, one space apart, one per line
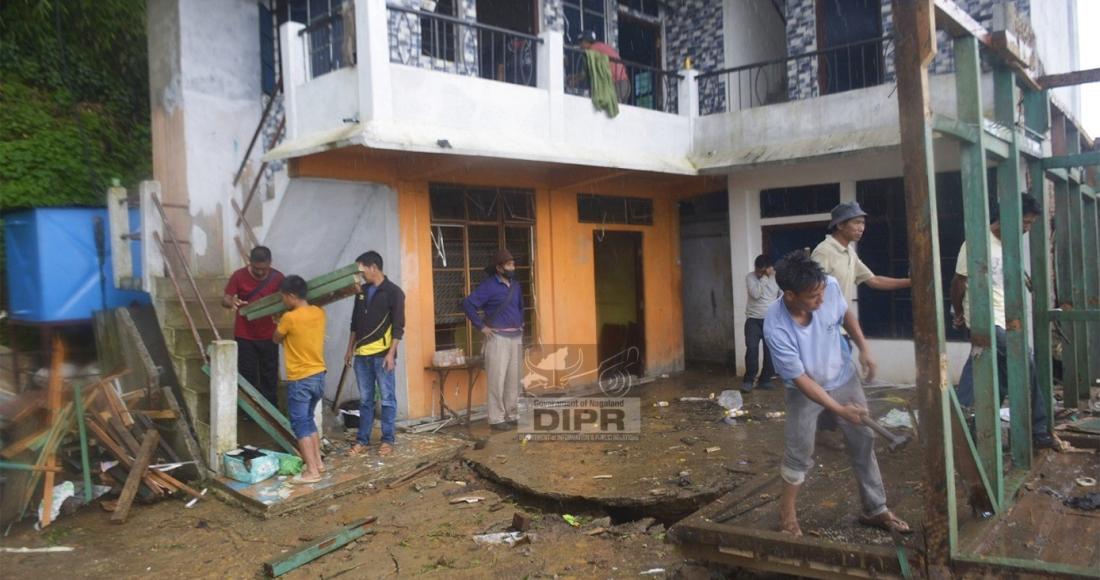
321 290
1010 139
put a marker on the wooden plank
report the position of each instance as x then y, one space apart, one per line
118 405
123 435
319 287
157 414
123 458
282 564
1077 284
166 449
1041 282
85 460
1069 79
967 460
257 416
916 46
1091 259
133 479
183 427
53 409
25 443
954 20
979 283
1017 329
27 467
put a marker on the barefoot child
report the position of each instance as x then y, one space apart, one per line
802 331
301 331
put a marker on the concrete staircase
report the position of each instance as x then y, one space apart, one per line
186 358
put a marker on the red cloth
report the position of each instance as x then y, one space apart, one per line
618 71
241 284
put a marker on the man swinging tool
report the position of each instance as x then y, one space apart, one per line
803 332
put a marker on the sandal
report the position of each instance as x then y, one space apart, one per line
358 450
385 449
886 521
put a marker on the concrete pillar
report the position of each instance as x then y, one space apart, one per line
223 400
118 215
551 77
152 261
293 55
745 245
373 61
688 96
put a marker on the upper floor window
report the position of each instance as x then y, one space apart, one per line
804 200
581 15
647 7
610 209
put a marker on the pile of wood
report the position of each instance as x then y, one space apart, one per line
94 431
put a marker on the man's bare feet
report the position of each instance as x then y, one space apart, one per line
789 525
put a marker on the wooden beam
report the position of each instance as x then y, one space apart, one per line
1070 79
954 20
916 46
1073 160
1041 279
133 479
285 563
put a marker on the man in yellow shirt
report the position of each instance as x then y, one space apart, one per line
301 331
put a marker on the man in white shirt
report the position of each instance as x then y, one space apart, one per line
1040 421
762 291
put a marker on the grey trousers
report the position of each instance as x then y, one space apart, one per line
801 428
502 358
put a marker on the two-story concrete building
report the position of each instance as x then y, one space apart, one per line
437 131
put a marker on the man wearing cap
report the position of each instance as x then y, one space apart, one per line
496 309
838 258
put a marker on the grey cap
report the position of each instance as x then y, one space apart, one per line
844 212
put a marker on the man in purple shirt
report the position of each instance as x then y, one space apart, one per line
496 309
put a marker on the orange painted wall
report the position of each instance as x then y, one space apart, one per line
564 274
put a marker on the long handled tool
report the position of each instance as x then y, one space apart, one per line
896 441
340 387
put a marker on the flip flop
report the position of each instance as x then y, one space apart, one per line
385 449
358 450
886 521
299 480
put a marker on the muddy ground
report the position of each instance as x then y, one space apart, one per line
419 533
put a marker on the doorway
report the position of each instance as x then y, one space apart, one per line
504 57
620 304
707 281
780 240
852 28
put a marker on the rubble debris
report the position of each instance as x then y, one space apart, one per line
36 550
1085 481
521 522
896 419
652 572
712 449
467 499
660 404
731 399
509 539
571 520
603 476
1087 502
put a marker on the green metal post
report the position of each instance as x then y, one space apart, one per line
1064 271
85 464
1091 257
1041 286
978 291
1077 267
1005 95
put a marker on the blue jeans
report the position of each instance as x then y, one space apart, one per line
302 398
369 371
1040 423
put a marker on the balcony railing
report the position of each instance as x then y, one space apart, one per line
822 72
448 44
637 84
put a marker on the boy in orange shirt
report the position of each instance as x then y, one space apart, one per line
301 331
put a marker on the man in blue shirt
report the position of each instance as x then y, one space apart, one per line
802 331
496 309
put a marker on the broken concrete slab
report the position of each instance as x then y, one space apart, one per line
345 474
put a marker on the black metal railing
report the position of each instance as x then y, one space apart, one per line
330 42
821 72
450 44
637 84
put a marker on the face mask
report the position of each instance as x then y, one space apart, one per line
509 274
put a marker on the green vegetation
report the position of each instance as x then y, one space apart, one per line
74 100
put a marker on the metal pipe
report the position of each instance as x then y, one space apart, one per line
186 269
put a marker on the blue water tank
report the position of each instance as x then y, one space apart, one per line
52 266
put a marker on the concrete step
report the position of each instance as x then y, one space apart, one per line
189 372
209 286
181 343
171 313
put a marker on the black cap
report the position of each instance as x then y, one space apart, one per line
589 35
